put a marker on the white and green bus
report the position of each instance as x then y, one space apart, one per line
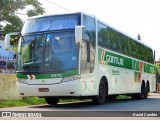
79 56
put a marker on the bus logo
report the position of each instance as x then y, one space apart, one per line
110 58
31 77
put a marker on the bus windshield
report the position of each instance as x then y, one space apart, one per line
61 51
54 51
31 52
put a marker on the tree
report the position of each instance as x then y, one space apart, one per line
8 15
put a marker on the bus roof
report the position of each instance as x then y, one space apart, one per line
41 16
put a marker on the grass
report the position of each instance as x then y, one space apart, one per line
123 97
37 101
22 102
29 101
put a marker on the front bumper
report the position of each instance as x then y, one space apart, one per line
70 88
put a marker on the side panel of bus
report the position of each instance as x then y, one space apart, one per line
124 74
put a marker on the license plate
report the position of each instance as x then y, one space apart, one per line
43 89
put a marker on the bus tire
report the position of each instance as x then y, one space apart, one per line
143 91
101 97
146 91
140 95
52 100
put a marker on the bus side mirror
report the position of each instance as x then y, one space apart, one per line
78 34
11 41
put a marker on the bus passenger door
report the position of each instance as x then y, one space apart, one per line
87 59
87 67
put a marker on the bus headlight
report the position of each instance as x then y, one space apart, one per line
22 81
70 78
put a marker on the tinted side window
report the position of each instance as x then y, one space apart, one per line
104 36
114 40
89 32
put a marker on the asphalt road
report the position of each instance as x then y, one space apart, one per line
123 108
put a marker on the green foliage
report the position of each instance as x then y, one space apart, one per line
158 66
32 101
8 9
14 24
22 102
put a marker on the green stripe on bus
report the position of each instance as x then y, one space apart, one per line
149 68
112 59
20 75
49 75
135 65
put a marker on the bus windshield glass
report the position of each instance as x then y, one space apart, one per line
31 52
54 51
61 51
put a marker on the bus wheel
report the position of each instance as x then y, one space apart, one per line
146 92
52 100
143 91
142 94
101 98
